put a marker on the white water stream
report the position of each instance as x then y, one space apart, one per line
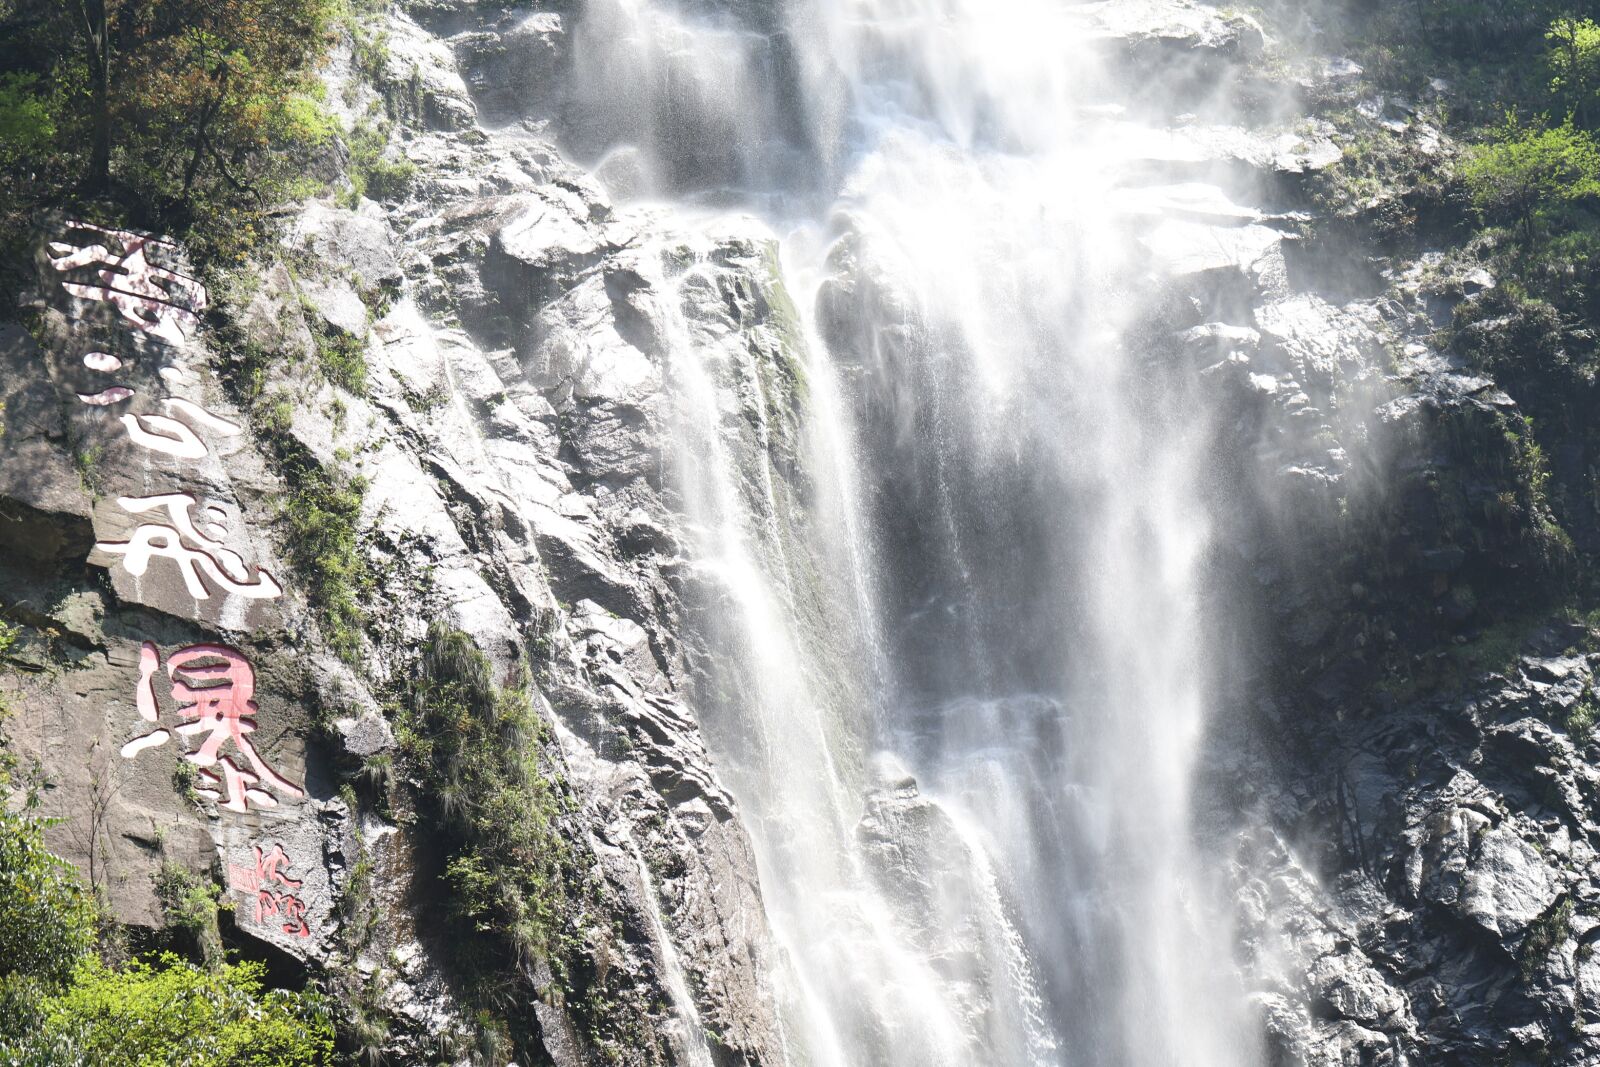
960 687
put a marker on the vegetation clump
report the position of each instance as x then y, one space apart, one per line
62 1003
1582 716
1509 198
514 895
1574 58
323 514
189 905
343 358
1546 935
47 918
471 747
1525 173
372 173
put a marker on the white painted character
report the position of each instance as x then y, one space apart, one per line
197 555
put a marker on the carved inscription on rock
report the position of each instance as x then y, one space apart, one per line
199 556
214 689
160 302
271 893
174 542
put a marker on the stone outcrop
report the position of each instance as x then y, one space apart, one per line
508 438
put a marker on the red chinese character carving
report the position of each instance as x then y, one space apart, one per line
258 881
215 690
292 908
224 712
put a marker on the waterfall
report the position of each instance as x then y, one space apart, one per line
959 684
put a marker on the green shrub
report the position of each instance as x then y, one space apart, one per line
343 358
386 179
1506 331
323 512
8 640
47 919
189 905
198 120
1546 935
1581 717
172 1012
1524 172
371 174
474 747
478 744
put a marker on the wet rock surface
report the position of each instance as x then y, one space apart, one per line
1454 927
1411 744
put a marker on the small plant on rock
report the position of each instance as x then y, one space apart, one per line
1581 717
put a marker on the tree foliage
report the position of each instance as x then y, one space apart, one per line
27 120
1472 26
189 114
168 1011
1574 60
211 88
1525 172
47 920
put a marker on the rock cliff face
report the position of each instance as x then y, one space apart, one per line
1401 783
506 448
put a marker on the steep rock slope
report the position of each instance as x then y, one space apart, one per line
508 485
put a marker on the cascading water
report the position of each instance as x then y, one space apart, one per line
960 684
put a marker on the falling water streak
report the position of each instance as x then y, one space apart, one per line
804 830
833 445
721 513
1043 1046
1056 489
697 1053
